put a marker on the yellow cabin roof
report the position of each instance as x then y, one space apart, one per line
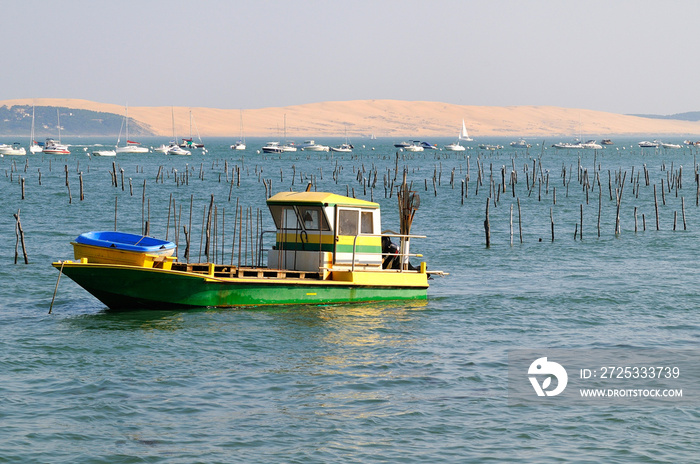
318 198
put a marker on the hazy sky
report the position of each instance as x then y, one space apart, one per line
618 56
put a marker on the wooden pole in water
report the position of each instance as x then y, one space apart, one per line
20 234
581 233
511 224
683 211
551 221
656 208
520 223
487 226
55 290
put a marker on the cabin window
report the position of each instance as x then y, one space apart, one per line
313 218
285 217
348 222
366 223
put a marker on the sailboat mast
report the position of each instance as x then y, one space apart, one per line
58 118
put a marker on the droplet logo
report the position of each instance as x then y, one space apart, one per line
541 367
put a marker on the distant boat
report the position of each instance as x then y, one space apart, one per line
240 144
454 147
415 146
272 147
165 148
670 145
177 150
343 148
289 144
427 146
568 145
310 145
486 146
520 144
189 142
14 149
647 144
463 135
606 142
104 153
402 144
591 144
34 146
56 148
131 146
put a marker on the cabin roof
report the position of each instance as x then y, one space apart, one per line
318 198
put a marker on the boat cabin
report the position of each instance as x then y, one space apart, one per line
318 231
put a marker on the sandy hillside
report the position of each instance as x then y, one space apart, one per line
386 118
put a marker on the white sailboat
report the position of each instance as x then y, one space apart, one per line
56 148
464 135
288 145
130 147
34 146
190 143
240 144
173 148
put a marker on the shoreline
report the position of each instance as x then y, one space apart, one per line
384 118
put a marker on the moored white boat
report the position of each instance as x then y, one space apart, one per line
670 145
490 147
592 145
288 146
15 149
414 147
310 145
454 147
104 153
131 146
343 148
177 150
239 145
568 145
34 146
272 147
647 144
520 144
55 148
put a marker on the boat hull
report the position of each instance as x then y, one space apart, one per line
131 287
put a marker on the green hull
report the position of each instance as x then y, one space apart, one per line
122 287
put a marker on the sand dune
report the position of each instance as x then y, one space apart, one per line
386 118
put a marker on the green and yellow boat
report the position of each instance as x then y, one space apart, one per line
328 249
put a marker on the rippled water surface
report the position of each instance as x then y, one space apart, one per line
394 382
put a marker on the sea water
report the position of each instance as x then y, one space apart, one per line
391 382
